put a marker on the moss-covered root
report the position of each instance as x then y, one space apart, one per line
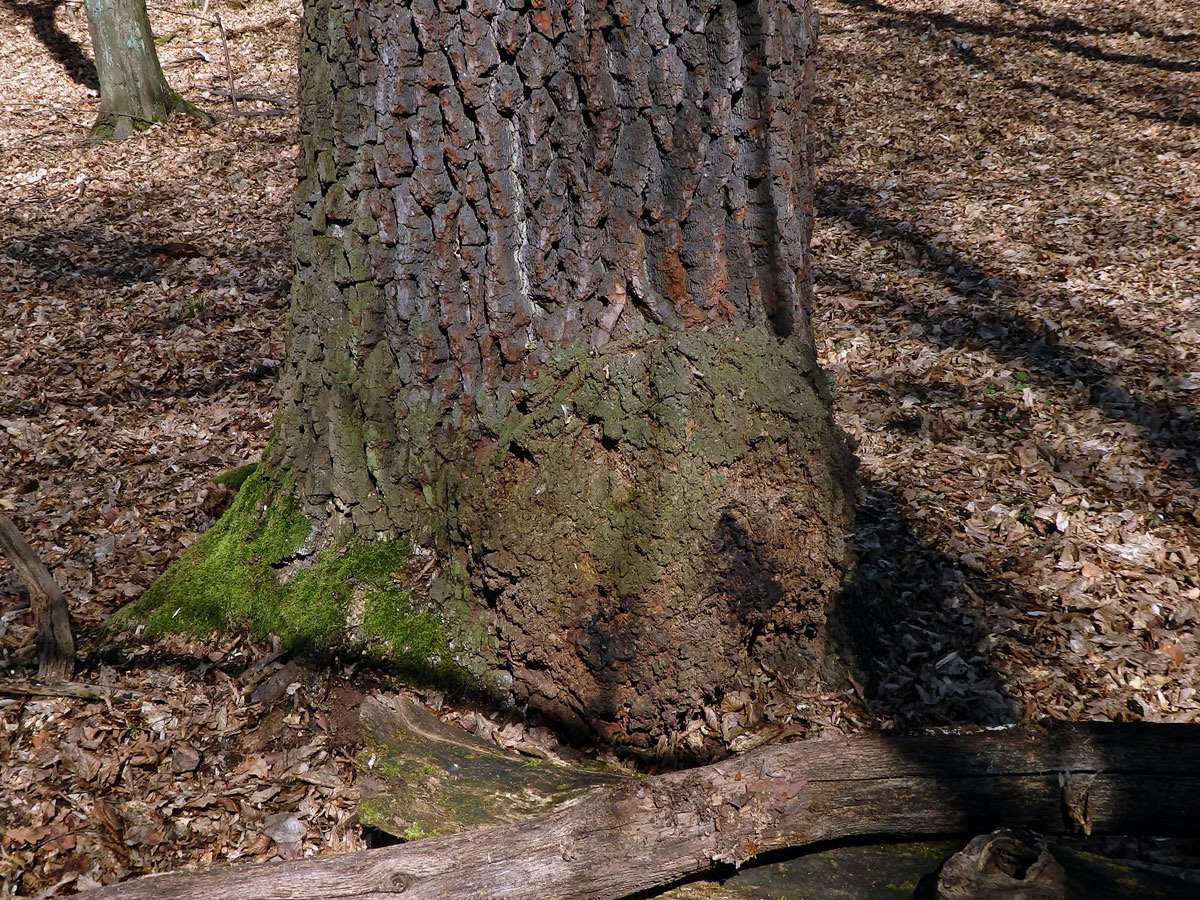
253 570
421 777
114 126
187 108
236 477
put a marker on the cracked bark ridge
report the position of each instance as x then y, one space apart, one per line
489 186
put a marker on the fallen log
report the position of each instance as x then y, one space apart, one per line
424 777
76 689
646 833
56 644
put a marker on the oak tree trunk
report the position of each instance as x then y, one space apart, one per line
551 319
134 93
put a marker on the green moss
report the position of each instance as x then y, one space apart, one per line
235 478
414 832
411 633
373 810
357 595
227 577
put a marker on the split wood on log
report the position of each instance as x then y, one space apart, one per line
56 645
1124 778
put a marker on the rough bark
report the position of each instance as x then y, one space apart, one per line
52 618
646 834
550 317
134 93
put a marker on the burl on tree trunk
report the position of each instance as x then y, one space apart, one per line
550 317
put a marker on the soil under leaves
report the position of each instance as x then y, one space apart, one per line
1008 253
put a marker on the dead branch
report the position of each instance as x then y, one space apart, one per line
56 645
647 833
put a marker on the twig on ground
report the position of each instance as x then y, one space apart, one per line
228 64
77 689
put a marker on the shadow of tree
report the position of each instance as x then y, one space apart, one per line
97 258
915 620
978 323
1041 34
1059 24
1173 107
98 252
65 50
910 624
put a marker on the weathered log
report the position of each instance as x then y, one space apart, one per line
910 871
76 689
425 777
56 645
651 832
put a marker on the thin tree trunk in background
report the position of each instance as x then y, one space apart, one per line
56 645
134 93
1119 778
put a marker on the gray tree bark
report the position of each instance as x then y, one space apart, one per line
1056 778
134 93
551 318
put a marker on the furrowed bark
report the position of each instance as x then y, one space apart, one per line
1053 778
52 618
550 318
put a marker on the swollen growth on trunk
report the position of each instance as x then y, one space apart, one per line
550 324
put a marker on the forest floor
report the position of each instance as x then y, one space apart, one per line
1008 268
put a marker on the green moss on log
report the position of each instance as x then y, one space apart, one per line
251 571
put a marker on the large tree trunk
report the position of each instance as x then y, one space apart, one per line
1056 778
134 93
550 319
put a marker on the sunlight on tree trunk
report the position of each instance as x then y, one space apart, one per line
134 93
551 318
550 324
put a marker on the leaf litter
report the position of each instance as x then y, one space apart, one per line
1007 258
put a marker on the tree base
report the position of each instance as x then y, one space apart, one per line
650 526
115 126
639 536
